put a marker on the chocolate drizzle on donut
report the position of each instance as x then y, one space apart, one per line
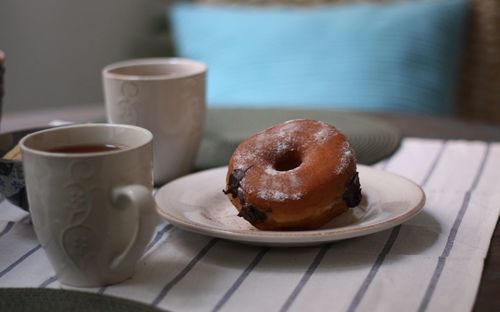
234 182
352 195
252 214
249 212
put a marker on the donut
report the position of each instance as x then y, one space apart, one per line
297 175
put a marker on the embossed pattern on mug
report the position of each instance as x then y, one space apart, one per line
190 121
127 102
195 102
80 241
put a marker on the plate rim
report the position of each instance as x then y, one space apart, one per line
289 238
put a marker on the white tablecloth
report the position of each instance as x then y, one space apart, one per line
431 263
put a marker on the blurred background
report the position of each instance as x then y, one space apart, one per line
55 49
431 57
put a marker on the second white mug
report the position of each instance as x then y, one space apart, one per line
165 96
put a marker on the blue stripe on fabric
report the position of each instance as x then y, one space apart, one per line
21 259
153 242
373 271
240 279
7 228
48 281
452 235
305 278
165 290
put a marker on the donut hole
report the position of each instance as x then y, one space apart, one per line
288 161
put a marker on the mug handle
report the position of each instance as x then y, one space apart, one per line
142 202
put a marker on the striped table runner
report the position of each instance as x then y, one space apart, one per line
431 263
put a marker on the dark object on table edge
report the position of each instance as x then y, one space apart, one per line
2 71
12 185
54 300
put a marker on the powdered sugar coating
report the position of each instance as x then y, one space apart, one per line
283 146
270 188
264 149
324 133
271 171
287 130
242 160
346 155
277 195
281 139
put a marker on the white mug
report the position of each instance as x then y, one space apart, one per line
165 96
89 191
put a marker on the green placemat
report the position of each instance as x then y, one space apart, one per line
55 300
372 139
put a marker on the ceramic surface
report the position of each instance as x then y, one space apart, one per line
166 96
93 213
196 203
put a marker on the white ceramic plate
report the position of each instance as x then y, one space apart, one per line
196 203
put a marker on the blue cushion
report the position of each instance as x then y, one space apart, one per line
396 57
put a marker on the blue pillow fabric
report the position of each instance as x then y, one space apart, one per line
396 57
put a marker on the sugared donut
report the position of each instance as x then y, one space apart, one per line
293 176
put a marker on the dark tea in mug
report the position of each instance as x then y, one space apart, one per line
86 148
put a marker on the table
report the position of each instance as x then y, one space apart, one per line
409 124
448 128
